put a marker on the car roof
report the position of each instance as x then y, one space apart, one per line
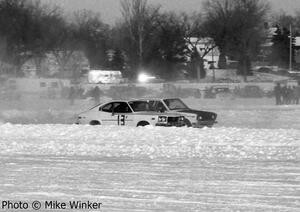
146 99
131 100
155 98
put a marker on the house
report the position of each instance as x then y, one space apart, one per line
212 57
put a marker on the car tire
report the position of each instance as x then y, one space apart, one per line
187 122
142 124
94 122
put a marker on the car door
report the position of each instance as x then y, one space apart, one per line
106 114
123 113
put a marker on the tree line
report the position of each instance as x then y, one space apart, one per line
146 38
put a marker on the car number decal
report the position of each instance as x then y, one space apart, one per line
121 119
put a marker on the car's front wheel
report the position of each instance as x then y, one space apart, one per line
142 124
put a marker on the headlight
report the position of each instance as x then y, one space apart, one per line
162 119
181 118
199 118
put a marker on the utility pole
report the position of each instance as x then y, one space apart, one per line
291 50
213 65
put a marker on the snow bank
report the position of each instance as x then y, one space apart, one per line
37 116
150 142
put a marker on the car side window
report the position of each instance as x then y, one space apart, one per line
157 106
107 108
121 107
160 107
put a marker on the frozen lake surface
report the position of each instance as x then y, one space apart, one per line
250 161
152 169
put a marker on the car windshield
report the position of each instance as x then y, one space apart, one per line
141 106
175 104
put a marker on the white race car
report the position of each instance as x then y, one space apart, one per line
129 113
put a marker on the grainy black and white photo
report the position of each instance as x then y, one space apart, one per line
150 105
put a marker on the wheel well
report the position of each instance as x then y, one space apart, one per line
95 122
142 123
187 122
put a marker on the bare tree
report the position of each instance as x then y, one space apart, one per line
44 36
197 38
138 17
236 27
14 15
65 43
25 28
92 35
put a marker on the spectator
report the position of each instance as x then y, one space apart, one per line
284 94
296 92
278 91
290 95
96 94
80 92
72 95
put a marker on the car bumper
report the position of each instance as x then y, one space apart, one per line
201 124
181 124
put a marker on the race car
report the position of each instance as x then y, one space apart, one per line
129 113
193 118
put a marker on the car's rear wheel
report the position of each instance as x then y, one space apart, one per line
142 124
95 122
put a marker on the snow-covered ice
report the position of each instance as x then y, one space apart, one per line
250 163
153 168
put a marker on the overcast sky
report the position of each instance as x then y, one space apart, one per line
110 9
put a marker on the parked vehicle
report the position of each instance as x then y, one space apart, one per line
251 91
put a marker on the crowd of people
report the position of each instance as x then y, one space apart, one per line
286 94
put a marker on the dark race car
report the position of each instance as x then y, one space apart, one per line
193 118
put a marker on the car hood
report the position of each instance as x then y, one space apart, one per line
206 115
